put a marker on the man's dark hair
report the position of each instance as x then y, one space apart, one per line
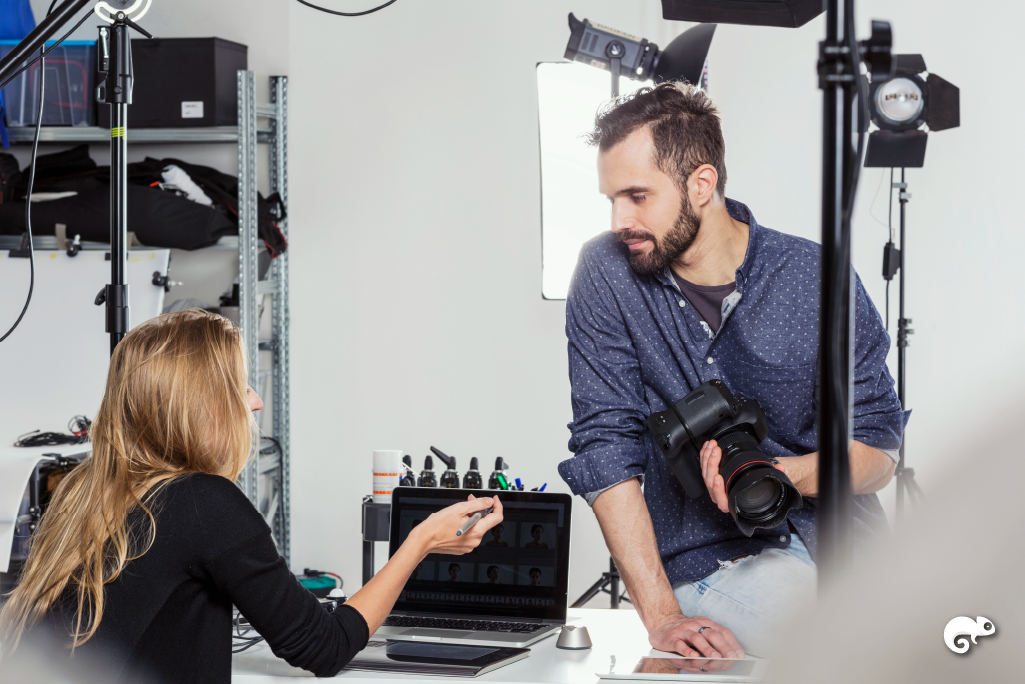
536 527
684 125
533 570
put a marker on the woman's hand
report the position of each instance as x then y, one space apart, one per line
437 534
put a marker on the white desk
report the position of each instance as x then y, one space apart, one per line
613 632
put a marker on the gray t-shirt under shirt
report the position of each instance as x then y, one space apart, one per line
706 299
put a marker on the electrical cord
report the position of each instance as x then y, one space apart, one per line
240 635
346 14
78 426
28 202
32 169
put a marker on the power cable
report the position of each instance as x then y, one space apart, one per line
28 201
32 169
346 14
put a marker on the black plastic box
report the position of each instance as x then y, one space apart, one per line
183 82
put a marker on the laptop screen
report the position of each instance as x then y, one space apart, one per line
520 569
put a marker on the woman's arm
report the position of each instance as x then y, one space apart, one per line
436 534
236 553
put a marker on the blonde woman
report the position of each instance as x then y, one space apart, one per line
146 546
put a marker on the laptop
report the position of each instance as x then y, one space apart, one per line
511 591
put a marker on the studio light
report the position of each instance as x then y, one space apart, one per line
638 58
785 13
905 108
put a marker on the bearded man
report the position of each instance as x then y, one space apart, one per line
686 288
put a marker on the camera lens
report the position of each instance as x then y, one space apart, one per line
760 498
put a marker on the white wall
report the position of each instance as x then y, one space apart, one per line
416 298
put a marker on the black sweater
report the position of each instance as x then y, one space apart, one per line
167 617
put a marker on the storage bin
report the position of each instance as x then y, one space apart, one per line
70 98
183 82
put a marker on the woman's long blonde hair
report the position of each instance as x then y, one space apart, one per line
175 403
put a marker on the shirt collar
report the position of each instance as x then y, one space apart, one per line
739 212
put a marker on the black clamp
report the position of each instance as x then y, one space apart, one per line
164 281
837 64
903 331
75 246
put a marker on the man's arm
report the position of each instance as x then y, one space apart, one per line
871 470
630 536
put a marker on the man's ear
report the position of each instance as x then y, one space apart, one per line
701 185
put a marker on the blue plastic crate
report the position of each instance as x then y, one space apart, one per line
70 98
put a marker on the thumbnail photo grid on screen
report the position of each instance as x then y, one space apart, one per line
514 566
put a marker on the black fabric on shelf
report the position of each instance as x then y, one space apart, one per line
168 616
72 162
223 190
158 218
167 222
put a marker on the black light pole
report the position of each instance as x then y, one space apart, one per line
834 510
114 55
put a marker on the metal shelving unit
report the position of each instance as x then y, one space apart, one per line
266 481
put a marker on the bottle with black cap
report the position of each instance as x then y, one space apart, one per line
498 479
408 478
449 478
472 479
427 477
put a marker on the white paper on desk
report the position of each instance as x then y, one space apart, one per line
15 472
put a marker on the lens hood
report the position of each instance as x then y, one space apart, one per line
776 497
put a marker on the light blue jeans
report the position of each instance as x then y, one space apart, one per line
757 597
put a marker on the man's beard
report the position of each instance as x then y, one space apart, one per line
669 248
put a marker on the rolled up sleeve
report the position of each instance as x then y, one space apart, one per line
879 419
609 409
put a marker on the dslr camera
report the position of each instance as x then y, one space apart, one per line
760 496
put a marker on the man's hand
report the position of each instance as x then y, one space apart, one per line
694 638
711 455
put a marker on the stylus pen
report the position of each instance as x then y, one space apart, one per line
473 521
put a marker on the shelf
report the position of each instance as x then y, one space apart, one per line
48 243
93 134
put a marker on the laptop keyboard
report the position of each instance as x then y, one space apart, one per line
476 625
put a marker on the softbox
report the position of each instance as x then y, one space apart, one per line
785 13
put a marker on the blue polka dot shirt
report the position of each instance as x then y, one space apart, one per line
636 346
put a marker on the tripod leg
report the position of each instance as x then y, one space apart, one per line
614 581
595 589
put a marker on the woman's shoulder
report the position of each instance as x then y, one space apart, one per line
212 506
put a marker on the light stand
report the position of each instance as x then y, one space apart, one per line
905 476
114 56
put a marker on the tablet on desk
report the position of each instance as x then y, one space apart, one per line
680 669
